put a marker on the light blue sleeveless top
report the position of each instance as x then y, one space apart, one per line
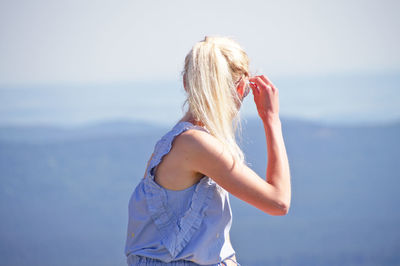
184 227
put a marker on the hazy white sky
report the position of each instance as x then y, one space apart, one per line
75 41
76 61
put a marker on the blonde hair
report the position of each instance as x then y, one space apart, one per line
212 68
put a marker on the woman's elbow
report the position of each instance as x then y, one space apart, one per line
284 210
276 209
283 203
280 209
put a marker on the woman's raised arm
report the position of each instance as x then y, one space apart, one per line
206 155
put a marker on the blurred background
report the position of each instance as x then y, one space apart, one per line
88 87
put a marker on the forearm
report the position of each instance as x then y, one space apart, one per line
278 171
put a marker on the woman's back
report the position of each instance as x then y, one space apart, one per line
179 212
190 224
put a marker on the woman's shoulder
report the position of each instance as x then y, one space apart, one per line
202 151
197 140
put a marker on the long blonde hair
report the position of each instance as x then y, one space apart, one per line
212 68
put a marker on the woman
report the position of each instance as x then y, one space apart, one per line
179 213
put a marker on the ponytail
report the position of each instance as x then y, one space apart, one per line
211 69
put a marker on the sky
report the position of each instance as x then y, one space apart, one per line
74 46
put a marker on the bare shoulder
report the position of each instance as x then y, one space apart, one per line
195 137
199 143
205 154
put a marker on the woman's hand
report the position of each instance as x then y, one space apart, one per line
266 97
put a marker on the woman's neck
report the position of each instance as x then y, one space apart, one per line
189 118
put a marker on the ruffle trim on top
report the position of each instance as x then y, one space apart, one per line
176 232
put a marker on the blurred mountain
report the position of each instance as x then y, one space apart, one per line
46 133
64 194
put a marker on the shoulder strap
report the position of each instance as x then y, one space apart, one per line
164 145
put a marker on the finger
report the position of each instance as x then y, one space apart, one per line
254 87
266 80
254 78
261 83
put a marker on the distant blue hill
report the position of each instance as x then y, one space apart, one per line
64 194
